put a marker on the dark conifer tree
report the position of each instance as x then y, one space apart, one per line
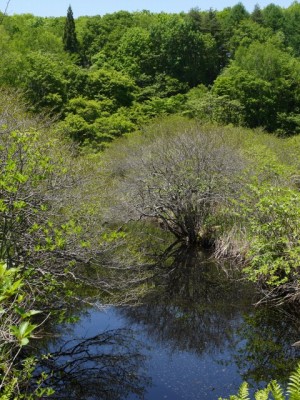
256 15
70 38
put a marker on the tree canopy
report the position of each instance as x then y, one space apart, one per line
130 61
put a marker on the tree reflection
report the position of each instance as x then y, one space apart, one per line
267 352
190 305
108 366
194 306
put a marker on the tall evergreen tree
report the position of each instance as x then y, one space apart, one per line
256 15
70 38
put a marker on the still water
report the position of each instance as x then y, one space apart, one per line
194 335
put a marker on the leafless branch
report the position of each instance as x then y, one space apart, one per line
5 11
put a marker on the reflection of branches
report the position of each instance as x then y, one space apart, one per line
283 294
194 307
105 366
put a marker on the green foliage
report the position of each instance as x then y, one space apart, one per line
274 389
88 109
242 393
181 52
160 85
248 32
110 84
42 239
274 235
23 332
134 52
92 125
236 15
206 106
290 22
15 326
134 59
294 385
256 14
156 106
113 126
229 20
9 286
45 85
273 17
77 128
262 78
13 389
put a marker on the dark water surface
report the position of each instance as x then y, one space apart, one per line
194 335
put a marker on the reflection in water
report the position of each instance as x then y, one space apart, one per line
203 332
107 366
196 308
267 352
194 305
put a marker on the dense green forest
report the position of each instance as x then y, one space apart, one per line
128 131
104 76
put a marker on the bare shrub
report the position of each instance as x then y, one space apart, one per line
178 175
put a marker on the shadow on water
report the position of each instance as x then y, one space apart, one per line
201 327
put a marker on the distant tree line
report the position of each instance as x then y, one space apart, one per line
106 75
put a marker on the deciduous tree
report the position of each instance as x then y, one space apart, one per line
179 179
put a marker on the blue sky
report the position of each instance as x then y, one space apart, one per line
92 7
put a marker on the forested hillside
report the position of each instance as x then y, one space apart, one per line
128 135
103 76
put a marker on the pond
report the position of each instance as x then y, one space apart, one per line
194 335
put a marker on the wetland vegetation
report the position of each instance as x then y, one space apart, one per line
149 162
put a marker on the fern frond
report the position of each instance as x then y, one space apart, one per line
276 390
9 390
243 392
294 385
262 394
